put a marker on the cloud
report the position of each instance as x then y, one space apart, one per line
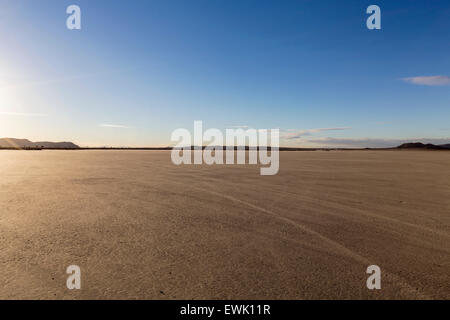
370 142
429 80
114 126
23 114
240 127
382 123
293 134
60 80
43 82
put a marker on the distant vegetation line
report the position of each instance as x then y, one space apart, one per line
24 144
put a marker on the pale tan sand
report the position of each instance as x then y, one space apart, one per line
140 227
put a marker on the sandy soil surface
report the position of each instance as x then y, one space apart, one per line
140 227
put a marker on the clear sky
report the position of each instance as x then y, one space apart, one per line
137 70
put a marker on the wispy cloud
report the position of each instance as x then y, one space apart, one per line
106 125
382 123
429 80
240 127
43 82
31 83
23 114
293 134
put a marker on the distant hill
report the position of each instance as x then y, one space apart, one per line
419 145
27 144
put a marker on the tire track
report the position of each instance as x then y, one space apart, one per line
344 251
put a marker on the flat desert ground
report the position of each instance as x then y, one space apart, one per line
140 227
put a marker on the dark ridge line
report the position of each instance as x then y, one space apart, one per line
436 148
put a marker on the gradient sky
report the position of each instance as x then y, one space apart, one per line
137 70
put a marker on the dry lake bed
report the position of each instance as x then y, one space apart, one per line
140 227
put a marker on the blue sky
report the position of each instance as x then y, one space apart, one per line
137 70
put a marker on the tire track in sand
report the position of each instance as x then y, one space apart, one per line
406 288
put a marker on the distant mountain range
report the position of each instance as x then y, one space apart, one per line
11 143
419 145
